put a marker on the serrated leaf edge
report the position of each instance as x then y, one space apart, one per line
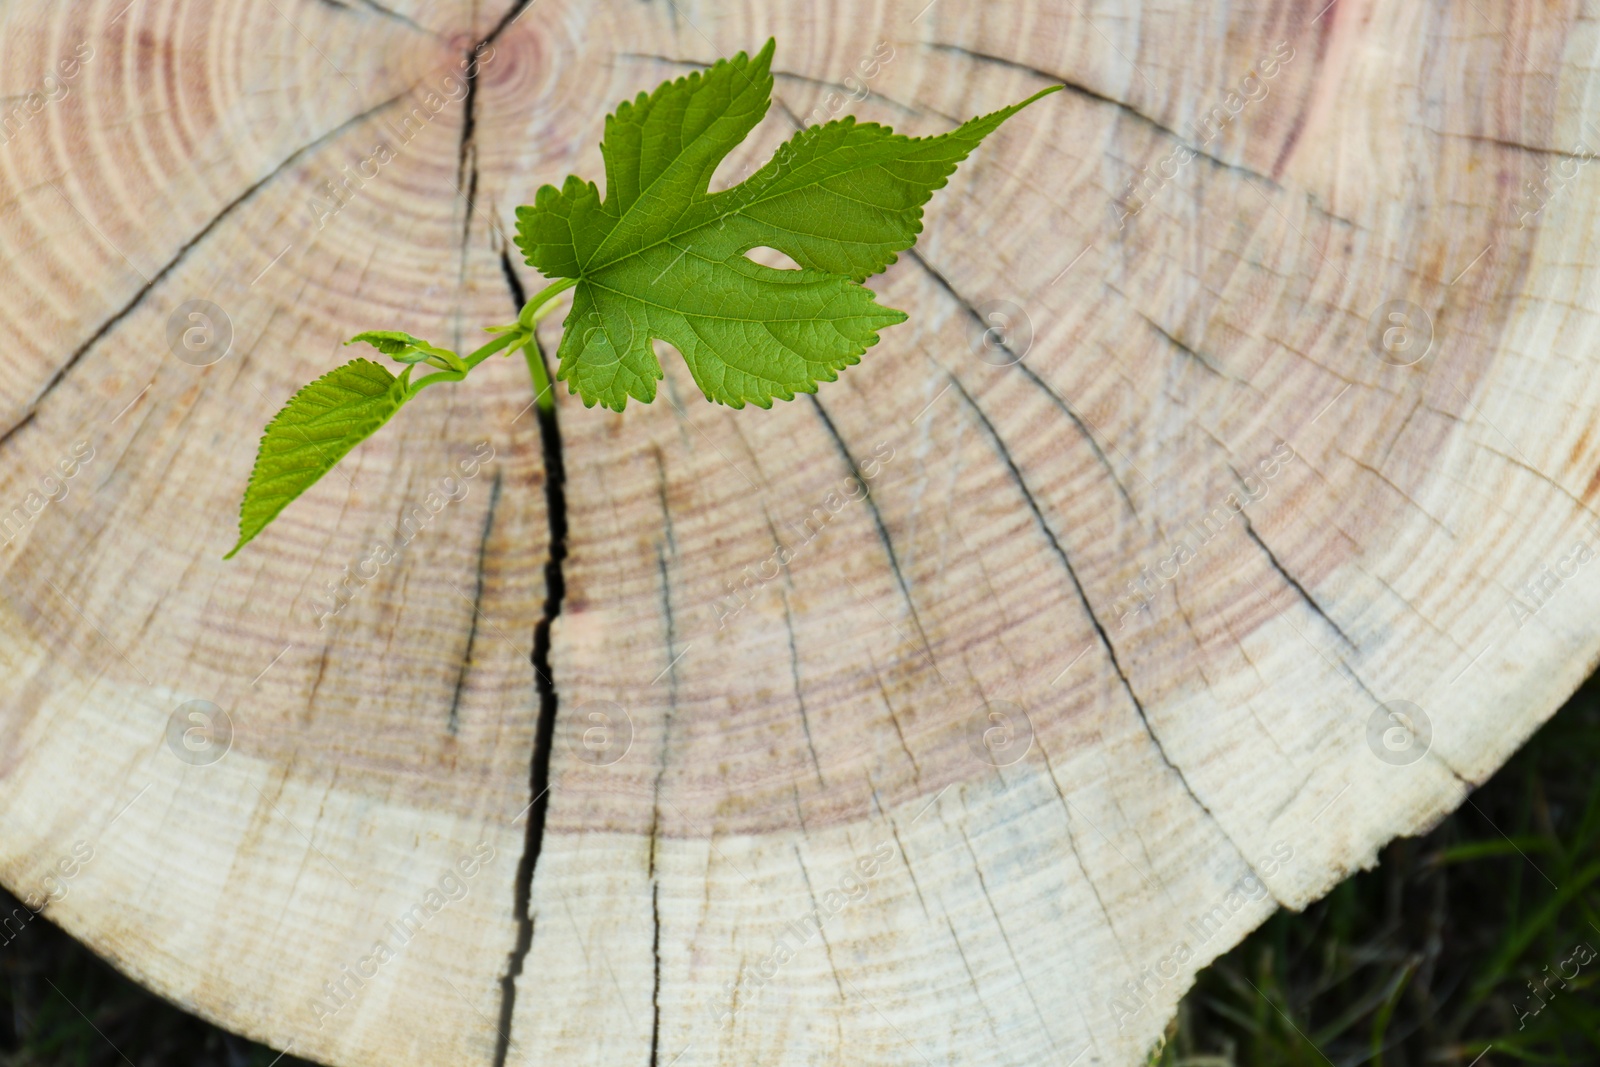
403 379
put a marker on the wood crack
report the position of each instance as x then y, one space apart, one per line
183 251
1516 146
1092 94
655 952
555 497
1066 562
477 601
1072 839
467 152
1083 599
386 12
816 909
878 523
661 769
1294 583
905 859
1027 372
971 977
983 885
1175 343
894 719
799 692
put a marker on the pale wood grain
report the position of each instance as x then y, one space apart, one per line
1189 766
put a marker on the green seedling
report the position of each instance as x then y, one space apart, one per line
661 257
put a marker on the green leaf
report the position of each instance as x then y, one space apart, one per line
389 342
404 348
315 429
663 258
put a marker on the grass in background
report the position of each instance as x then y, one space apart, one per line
1443 953
1425 960
60 1006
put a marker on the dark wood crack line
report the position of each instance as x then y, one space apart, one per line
792 75
1027 372
655 950
1162 332
816 908
1127 109
467 152
1294 583
1083 599
454 723
555 496
972 979
1517 146
661 770
387 12
878 524
894 719
799 694
188 246
1077 855
1005 936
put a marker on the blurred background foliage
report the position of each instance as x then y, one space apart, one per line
60 1005
1467 947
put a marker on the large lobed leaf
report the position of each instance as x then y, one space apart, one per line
315 429
661 257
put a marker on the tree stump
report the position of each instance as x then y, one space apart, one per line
1222 511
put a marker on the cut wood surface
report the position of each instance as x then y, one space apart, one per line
1229 500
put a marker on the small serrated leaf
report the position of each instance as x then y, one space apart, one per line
389 342
313 431
402 347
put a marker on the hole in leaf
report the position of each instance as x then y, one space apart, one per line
666 352
738 167
771 257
